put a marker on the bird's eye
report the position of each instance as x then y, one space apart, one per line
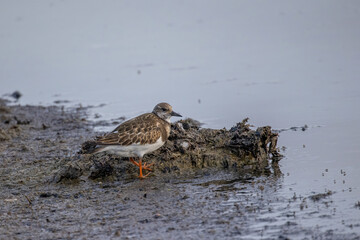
164 109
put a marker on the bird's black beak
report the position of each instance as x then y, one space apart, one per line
174 114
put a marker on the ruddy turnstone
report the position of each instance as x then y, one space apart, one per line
139 136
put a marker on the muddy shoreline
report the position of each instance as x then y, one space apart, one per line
206 184
62 137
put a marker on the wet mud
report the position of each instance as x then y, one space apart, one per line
206 183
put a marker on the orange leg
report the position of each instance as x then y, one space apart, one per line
141 167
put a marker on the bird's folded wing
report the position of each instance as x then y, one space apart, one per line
131 134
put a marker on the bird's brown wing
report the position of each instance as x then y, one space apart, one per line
142 129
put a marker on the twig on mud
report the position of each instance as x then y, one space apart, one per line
30 203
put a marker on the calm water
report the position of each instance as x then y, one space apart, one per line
280 63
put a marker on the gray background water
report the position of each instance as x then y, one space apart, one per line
281 63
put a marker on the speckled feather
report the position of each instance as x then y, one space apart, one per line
144 129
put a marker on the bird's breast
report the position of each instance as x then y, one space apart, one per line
165 131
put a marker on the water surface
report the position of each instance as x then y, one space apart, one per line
280 63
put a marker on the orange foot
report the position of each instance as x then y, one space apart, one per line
141 167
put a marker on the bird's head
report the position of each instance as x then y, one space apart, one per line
164 111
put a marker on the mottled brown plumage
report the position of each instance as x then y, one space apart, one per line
144 129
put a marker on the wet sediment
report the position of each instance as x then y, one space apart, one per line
206 183
46 184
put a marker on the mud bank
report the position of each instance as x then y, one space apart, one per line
189 149
48 141
33 139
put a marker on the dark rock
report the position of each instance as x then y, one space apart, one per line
48 194
100 170
61 101
21 121
70 171
87 147
319 196
16 95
